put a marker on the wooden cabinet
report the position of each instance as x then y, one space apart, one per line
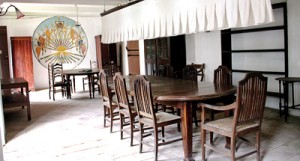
157 52
168 51
105 52
22 59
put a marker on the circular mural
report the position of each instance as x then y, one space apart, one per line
59 40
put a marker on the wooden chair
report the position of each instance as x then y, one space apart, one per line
109 105
192 72
147 115
248 114
56 80
111 68
94 79
222 77
126 110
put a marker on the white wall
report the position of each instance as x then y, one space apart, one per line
294 45
26 27
204 48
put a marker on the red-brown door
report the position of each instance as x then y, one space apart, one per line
22 59
133 57
4 51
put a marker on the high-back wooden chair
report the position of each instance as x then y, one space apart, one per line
111 68
147 115
248 114
125 107
222 76
56 80
109 105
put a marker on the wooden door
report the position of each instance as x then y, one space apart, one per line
4 51
22 59
133 57
105 52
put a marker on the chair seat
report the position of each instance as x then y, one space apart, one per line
126 112
113 103
162 117
225 125
60 83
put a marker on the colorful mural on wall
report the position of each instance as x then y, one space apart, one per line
57 39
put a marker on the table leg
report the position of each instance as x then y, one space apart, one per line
28 103
74 89
293 95
280 104
187 130
89 80
286 100
68 88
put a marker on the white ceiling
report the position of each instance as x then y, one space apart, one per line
46 8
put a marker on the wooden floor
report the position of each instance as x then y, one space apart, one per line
72 130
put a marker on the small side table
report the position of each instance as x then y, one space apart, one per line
16 99
286 81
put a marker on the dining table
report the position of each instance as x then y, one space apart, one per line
182 94
89 72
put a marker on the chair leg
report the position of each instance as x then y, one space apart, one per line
203 139
163 133
83 84
178 124
211 137
104 115
232 148
258 145
155 142
131 131
141 137
53 93
121 125
111 119
50 93
195 117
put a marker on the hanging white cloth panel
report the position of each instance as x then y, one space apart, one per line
162 18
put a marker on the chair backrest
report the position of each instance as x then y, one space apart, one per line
111 68
165 70
192 72
143 98
251 98
55 73
222 76
121 92
105 91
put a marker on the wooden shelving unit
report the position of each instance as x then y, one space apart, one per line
227 50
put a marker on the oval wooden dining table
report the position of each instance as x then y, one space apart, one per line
182 94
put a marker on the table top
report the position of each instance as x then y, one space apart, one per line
289 79
171 89
83 71
13 81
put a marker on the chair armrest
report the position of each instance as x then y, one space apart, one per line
218 108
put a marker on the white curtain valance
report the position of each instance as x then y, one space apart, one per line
162 18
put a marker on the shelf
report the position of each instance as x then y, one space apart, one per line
255 51
14 100
275 94
281 27
264 72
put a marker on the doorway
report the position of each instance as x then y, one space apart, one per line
4 53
